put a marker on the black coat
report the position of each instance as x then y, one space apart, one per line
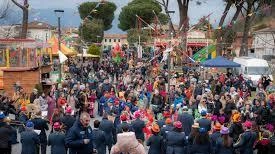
5 135
205 123
138 126
187 121
155 142
108 128
235 130
57 142
41 124
30 142
176 142
68 121
76 135
99 141
246 142
119 127
201 148
221 149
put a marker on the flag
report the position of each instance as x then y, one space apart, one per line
62 57
139 51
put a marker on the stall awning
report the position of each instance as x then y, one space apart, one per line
64 49
220 62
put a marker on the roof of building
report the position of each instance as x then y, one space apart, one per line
265 30
121 36
39 25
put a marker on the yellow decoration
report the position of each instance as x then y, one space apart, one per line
214 54
8 57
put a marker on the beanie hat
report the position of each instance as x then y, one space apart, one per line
29 124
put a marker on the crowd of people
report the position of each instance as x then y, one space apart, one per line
215 114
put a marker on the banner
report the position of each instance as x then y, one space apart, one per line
62 57
139 51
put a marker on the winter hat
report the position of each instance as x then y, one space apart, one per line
224 131
56 125
155 128
248 124
236 117
137 114
203 113
217 126
185 108
123 117
168 121
221 119
23 108
202 130
30 124
69 110
2 115
166 114
178 124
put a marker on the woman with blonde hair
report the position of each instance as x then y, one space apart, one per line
202 105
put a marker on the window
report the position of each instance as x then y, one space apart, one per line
110 40
105 40
114 40
118 40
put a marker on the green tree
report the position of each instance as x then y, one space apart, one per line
91 29
94 50
94 10
133 35
142 8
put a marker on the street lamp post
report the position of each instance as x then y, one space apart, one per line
59 14
169 54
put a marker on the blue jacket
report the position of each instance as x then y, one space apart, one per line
23 119
75 139
247 140
177 101
30 142
213 139
138 126
176 142
99 141
41 124
108 128
205 123
156 144
187 121
57 142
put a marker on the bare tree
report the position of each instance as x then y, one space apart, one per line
252 7
25 19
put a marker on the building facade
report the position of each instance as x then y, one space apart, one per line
263 45
110 40
40 31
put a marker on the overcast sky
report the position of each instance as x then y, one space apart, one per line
195 12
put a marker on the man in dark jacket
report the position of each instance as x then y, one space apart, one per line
80 137
42 125
247 139
123 119
138 126
99 139
187 121
5 134
29 140
108 128
204 122
68 120
57 140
